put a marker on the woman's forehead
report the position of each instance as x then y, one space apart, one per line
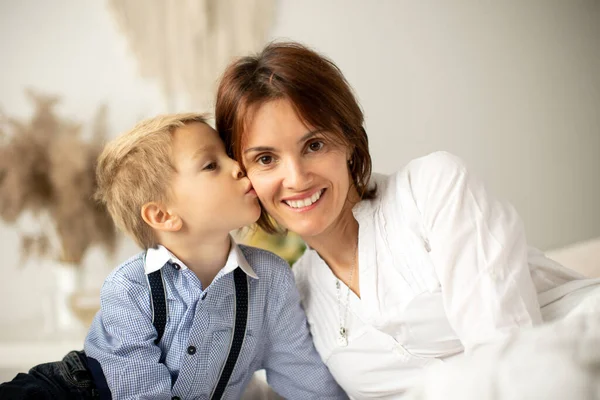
273 118
279 122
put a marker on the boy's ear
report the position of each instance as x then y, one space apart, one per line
158 217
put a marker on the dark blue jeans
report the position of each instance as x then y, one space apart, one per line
66 379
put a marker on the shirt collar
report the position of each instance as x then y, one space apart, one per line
158 257
364 209
236 258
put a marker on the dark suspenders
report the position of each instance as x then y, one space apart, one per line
159 320
159 303
239 331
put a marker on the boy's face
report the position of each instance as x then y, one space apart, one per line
209 192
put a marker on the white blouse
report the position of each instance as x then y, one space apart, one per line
443 267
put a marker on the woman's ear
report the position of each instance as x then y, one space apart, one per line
160 218
350 155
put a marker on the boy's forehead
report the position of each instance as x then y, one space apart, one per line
200 127
198 131
206 148
197 137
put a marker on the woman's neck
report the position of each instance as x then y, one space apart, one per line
338 245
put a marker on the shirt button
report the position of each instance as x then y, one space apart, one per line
176 266
493 275
401 333
203 296
399 350
191 350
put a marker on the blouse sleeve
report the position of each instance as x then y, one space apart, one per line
478 248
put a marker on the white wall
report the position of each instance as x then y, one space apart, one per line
70 48
513 87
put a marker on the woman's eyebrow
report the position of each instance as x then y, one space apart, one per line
304 138
309 135
259 148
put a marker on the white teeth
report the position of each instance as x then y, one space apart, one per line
304 202
315 197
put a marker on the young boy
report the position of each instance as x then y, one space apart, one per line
169 184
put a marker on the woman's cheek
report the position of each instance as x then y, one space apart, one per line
262 185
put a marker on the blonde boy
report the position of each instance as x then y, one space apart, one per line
169 183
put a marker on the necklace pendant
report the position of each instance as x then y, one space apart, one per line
342 337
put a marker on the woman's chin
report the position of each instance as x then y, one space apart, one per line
307 229
306 223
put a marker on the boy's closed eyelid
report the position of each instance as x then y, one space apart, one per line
208 164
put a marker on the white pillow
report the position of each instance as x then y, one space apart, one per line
583 257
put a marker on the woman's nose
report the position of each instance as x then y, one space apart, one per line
296 176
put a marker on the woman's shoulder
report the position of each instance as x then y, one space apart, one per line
434 164
301 268
308 273
437 159
418 175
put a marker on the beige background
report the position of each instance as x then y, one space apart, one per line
513 87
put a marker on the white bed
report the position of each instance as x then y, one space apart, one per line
557 361
583 257
554 362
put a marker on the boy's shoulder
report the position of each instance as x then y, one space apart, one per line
266 265
130 271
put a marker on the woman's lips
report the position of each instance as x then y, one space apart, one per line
300 205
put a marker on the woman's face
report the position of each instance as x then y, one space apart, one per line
300 174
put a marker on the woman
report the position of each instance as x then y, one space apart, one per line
401 271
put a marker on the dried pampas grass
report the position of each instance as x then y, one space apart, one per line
47 168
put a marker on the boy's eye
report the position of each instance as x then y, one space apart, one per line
210 166
316 145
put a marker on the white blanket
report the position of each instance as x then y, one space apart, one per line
552 362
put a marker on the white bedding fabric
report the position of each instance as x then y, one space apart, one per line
551 362
583 257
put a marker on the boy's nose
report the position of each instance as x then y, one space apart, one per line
237 171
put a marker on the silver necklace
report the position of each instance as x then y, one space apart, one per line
342 339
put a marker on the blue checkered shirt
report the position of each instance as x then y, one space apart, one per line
187 361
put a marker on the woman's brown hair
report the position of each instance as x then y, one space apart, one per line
315 87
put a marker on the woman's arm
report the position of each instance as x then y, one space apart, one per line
478 248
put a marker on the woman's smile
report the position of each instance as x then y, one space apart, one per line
302 203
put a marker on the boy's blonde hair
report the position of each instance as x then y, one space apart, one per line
136 168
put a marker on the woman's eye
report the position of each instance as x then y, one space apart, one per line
265 160
316 146
210 167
